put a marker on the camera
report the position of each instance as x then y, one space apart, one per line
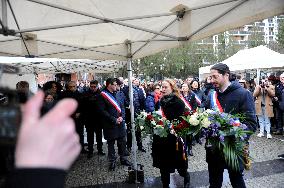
10 116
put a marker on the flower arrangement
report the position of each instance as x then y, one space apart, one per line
226 133
223 132
153 123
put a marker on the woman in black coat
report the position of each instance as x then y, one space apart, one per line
168 152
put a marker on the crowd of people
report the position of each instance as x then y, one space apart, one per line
103 109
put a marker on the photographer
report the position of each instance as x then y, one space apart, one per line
264 106
46 146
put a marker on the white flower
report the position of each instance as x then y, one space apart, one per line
193 120
144 114
141 127
209 111
159 127
205 123
153 122
159 113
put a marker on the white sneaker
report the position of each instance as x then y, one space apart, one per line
260 135
268 136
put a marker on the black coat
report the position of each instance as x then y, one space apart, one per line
109 116
90 110
235 99
37 177
164 152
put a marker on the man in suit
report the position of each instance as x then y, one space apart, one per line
113 123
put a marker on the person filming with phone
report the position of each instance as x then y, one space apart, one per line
264 92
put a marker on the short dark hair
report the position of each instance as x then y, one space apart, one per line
221 68
94 82
110 81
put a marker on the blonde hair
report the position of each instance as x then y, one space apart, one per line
173 86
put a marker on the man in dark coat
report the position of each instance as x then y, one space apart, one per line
233 99
91 118
139 105
71 92
279 89
113 123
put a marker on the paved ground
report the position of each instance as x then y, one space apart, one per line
267 170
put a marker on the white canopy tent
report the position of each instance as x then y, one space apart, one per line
119 30
256 58
56 65
97 29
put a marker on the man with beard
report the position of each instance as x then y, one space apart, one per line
233 99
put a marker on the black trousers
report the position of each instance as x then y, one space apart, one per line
129 128
80 130
216 176
279 118
121 145
129 137
91 129
165 175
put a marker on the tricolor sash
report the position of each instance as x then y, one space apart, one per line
215 104
198 100
112 100
186 102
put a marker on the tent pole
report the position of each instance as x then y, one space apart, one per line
257 76
4 14
129 70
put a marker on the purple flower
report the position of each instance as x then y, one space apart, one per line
223 115
231 121
242 138
222 139
217 124
243 126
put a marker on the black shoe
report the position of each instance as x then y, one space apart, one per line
189 152
90 155
277 132
127 153
83 151
199 141
101 153
281 156
126 163
112 166
186 180
166 186
141 149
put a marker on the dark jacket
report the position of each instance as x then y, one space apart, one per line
73 95
37 177
235 99
191 100
138 99
200 94
90 109
109 115
121 99
150 102
164 152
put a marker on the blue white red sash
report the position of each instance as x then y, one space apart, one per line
215 104
186 102
112 100
198 100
